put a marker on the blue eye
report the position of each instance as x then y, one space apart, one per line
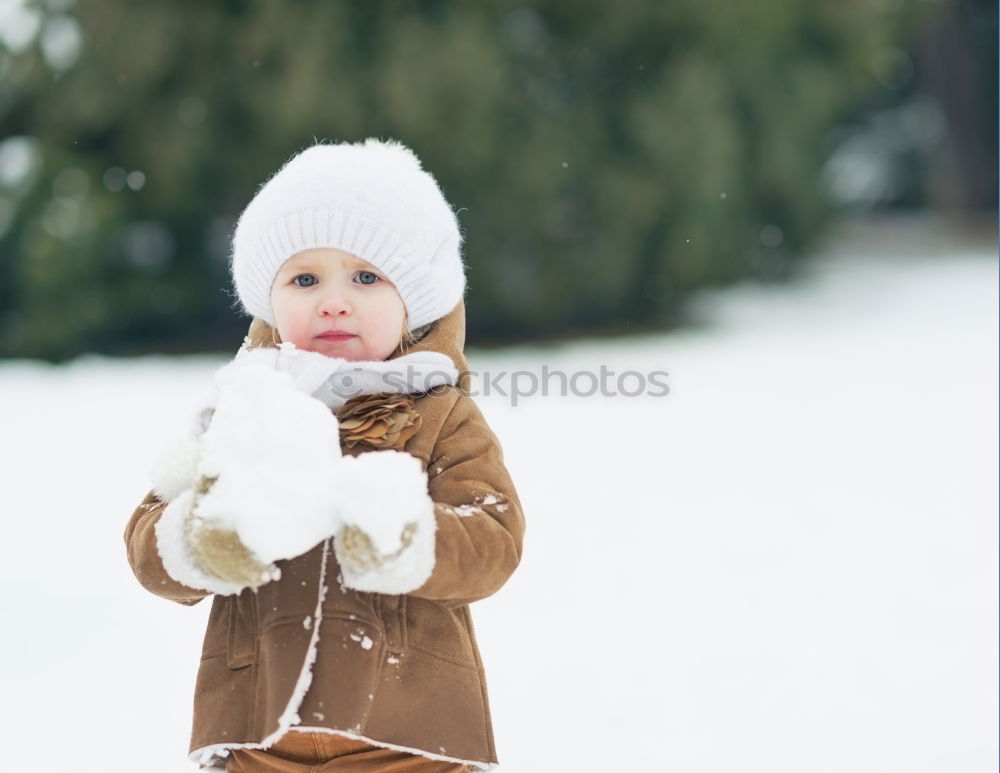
367 277
305 280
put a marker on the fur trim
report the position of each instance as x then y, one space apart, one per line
216 754
290 716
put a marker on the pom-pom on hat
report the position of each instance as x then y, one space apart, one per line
371 199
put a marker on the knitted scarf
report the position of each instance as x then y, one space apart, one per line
334 380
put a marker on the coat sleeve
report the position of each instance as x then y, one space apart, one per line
480 525
144 556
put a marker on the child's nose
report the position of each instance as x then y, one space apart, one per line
334 302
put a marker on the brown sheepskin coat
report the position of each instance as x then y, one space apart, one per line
399 671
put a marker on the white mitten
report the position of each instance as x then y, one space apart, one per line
202 556
175 469
386 543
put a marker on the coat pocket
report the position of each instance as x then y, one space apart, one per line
216 640
391 612
439 630
242 641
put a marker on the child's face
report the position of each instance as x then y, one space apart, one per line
322 290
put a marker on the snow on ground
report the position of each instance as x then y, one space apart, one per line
787 564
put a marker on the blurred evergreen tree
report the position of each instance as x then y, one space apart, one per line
605 159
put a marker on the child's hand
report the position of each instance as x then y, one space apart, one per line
386 544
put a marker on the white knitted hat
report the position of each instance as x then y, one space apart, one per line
371 199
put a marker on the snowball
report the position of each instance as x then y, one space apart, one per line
273 453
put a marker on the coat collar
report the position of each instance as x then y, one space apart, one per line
447 336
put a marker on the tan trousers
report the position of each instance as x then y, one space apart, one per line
328 753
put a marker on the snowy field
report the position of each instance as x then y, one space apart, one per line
786 565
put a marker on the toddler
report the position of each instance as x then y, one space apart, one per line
340 495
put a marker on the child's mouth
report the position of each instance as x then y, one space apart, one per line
332 336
